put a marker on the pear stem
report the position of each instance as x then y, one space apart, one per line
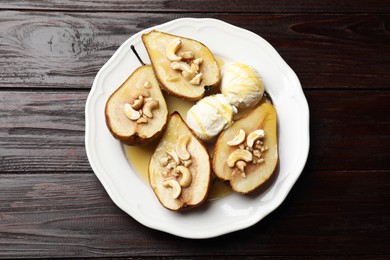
268 96
136 54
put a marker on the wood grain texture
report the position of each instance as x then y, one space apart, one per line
53 206
50 127
42 131
186 6
72 216
66 50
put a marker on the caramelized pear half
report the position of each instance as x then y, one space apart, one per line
136 113
246 154
183 66
179 169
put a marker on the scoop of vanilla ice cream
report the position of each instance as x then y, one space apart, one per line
209 116
242 85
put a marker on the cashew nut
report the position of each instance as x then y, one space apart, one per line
238 155
188 75
198 61
171 165
176 188
131 113
187 163
164 160
142 120
169 150
148 108
147 84
171 78
257 153
181 147
186 55
253 136
138 102
179 65
196 80
194 67
238 138
172 48
186 177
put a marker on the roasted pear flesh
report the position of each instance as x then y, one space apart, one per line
179 169
183 66
136 113
246 154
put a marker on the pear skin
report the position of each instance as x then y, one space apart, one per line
179 169
172 80
134 132
259 169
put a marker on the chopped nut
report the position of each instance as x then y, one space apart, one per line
198 61
186 55
250 149
142 120
194 67
242 146
169 150
147 84
187 163
196 80
171 165
261 160
146 93
241 165
164 160
257 153
258 146
188 75
164 172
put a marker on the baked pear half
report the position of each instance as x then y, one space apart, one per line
136 113
179 169
246 154
183 66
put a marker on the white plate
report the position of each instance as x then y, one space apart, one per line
231 213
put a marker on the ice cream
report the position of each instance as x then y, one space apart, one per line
209 116
242 85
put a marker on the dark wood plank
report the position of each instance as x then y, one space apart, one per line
44 131
70 215
66 50
189 6
349 130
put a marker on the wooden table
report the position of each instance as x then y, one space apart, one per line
51 203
